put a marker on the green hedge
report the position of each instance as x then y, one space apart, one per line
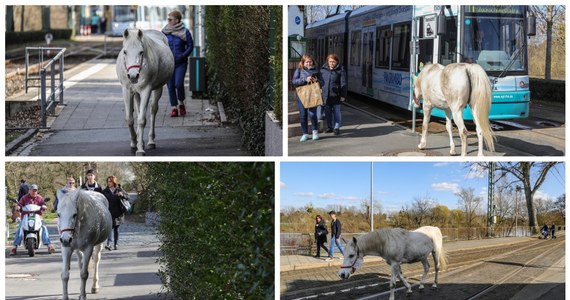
217 228
547 90
242 72
36 36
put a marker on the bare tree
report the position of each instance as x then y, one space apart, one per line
421 210
531 175
470 204
549 15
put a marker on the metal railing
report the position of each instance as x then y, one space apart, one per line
55 97
304 243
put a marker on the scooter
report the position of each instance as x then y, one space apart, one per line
32 227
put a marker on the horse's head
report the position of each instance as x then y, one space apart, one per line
353 260
417 91
133 53
67 214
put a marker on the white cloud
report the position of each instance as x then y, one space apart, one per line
441 164
541 195
446 187
305 194
327 196
350 198
282 185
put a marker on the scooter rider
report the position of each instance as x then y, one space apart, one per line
32 197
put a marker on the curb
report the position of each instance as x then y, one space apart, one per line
13 145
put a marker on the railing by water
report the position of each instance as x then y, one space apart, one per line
52 80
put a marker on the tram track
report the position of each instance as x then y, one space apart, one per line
472 266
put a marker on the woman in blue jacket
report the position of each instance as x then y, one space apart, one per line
307 73
181 45
334 92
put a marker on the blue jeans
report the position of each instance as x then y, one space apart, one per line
18 235
334 116
331 247
176 84
304 114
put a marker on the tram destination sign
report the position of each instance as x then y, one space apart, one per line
495 9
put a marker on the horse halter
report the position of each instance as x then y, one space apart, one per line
353 269
139 66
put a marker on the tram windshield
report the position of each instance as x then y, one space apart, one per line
496 41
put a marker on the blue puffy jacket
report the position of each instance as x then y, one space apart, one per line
180 49
335 86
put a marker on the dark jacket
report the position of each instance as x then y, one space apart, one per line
180 49
335 84
321 227
115 206
335 229
301 74
96 187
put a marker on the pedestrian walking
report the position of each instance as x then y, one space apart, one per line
24 189
114 194
552 231
321 233
69 187
335 236
335 89
91 184
307 73
181 44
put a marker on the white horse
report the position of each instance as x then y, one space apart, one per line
451 88
84 224
144 65
397 246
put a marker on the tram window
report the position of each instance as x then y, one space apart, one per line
383 35
448 43
400 46
355 48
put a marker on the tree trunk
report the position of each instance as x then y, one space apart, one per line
549 23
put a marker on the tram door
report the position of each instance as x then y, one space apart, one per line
367 58
425 38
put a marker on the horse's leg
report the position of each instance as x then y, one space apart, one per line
141 118
425 263
449 127
395 269
479 133
458 119
156 94
128 98
66 253
427 114
403 279
96 258
436 267
85 271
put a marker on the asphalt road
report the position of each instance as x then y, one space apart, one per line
127 273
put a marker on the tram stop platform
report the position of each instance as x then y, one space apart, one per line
92 122
366 134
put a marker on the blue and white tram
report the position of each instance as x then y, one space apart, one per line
385 45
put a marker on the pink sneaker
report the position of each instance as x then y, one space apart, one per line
182 109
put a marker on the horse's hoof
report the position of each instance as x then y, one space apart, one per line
151 146
94 290
433 287
421 288
140 153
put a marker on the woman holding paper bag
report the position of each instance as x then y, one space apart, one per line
305 74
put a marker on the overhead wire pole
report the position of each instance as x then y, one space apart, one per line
490 204
371 196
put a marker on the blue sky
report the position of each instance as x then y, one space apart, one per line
395 183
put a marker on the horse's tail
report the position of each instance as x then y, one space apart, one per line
480 101
442 256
